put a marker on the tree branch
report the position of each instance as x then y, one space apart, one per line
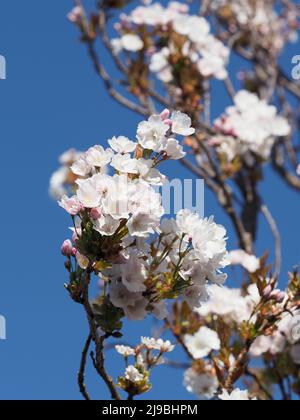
276 234
81 374
99 363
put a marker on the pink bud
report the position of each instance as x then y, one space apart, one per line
267 292
74 251
168 122
66 248
165 114
278 295
117 26
95 214
281 297
75 15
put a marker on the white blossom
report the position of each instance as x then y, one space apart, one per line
131 42
204 386
182 124
151 134
137 311
202 343
91 190
153 344
132 274
122 145
133 375
121 297
124 164
247 261
81 167
106 225
57 188
235 395
174 150
142 224
160 310
98 157
72 205
125 350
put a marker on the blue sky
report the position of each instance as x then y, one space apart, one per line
51 101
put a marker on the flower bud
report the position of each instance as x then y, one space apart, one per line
165 114
267 292
95 214
277 295
281 297
66 248
75 15
168 122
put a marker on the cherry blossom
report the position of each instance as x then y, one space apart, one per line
205 51
235 395
204 386
202 343
251 125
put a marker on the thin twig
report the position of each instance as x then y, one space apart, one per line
256 379
81 374
99 341
276 234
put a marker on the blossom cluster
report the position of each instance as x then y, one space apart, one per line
230 304
205 386
174 36
137 375
250 125
284 340
118 229
268 317
266 23
232 308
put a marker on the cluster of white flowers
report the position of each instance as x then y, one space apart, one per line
230 304
285 338
137 375
206 258
267 23
63 179
147 343
115 215
251 125
206 52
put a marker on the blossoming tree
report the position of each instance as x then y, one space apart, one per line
173 269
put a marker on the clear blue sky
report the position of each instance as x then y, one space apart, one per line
51 101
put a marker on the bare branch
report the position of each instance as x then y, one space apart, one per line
99 341
81 374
